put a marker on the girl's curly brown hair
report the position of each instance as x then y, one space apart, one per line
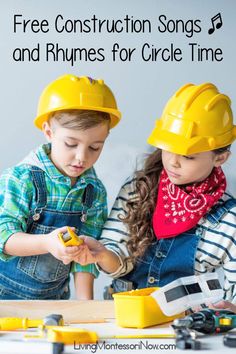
141 208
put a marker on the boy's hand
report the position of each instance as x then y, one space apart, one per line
90 251
58 250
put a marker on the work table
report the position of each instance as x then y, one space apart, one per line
95 312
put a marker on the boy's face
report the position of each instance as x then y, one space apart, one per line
192 168
75 151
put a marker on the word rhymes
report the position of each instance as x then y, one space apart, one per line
53 52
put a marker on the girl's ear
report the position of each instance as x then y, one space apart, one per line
222 158
47 130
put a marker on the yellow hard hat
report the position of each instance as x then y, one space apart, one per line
72 92
197 118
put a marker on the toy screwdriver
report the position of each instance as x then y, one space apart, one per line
13 323
70 238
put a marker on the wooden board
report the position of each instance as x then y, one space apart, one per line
71 310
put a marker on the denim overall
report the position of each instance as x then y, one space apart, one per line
169 259
43 276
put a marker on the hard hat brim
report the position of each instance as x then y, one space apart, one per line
180 145
114 114
177 144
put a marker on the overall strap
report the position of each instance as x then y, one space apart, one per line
217 213
38 179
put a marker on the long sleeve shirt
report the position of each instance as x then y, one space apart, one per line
17 199
216 248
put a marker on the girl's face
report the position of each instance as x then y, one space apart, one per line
192 168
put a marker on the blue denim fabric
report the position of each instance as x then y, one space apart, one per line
42 276
169 259
165 260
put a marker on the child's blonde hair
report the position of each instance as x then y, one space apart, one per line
80 119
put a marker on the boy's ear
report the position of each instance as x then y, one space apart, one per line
47 130
222 158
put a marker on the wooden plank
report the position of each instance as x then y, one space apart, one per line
71 310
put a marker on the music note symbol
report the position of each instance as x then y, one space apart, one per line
216 23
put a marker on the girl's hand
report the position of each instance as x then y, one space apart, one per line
90 251
58 250
223 304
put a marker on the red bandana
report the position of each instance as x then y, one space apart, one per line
179 209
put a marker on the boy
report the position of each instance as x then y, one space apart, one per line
53 187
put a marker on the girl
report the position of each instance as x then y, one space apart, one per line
174 218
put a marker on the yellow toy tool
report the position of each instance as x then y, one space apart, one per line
75 336
69 335
72 335
14 323
70 238
62 334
